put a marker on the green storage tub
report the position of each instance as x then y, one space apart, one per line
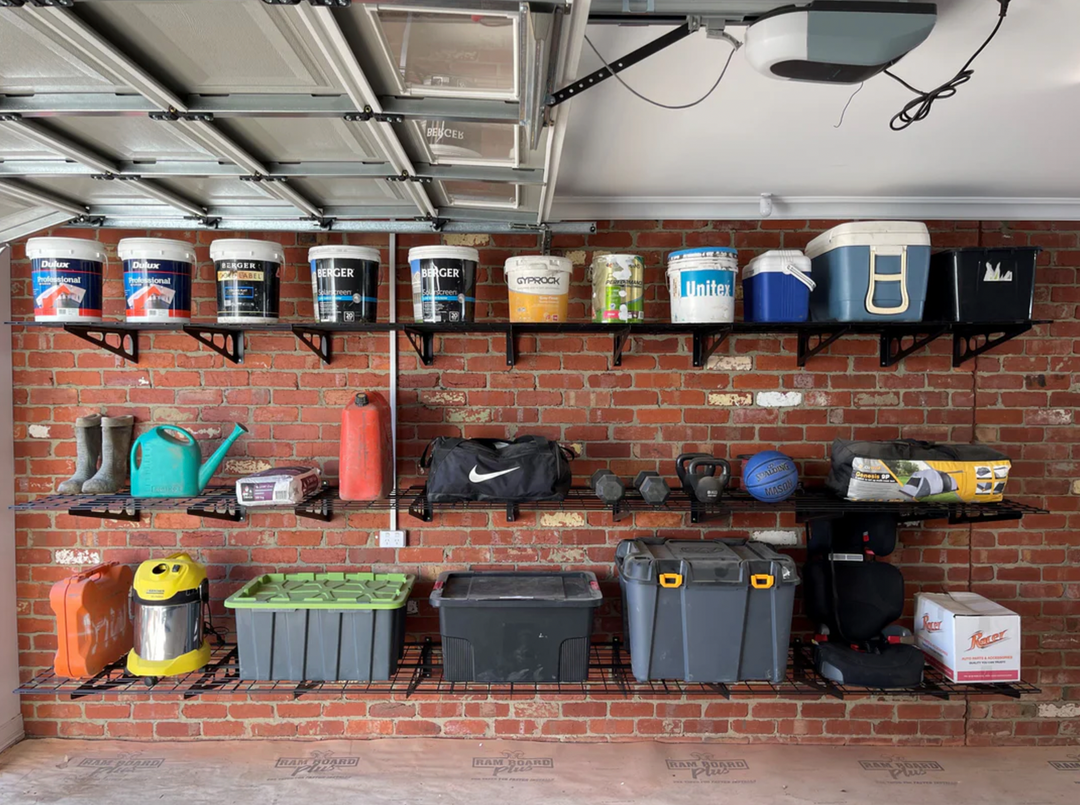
321 626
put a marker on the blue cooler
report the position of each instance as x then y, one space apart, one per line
870 271
776 287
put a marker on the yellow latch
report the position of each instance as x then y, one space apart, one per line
761 581
671 579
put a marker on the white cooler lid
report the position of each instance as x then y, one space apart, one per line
870 233
775 261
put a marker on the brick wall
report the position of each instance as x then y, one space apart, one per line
1022 398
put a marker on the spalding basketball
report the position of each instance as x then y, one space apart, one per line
770 476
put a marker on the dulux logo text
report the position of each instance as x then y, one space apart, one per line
993 274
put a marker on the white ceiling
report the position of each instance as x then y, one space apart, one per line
1006 146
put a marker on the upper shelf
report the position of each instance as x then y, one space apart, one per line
897 340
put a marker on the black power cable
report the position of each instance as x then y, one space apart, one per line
920 107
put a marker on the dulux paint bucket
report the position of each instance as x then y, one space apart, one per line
157 279
443 283
618 288
344 283
702 285
248 276
67 275
539 287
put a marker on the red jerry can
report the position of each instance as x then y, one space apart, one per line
93 625
366 471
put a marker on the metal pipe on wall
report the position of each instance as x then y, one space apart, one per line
393 342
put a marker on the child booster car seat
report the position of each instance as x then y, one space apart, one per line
855 600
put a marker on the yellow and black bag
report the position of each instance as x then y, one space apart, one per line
905 469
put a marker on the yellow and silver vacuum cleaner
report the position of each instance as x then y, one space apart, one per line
169 596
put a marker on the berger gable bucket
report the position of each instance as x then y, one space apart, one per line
157 279
67 275
248 280
344 283
539 287
702 285
443 283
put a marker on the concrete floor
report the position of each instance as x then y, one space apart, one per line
427 771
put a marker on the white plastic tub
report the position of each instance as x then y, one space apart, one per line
67 276
702 285
157 279
539 287
248 280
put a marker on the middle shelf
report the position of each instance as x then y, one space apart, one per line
219 503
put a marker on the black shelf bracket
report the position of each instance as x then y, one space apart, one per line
423 342
218 508
227 343
511 346
129 512
811 343
618 65
706 343
618 340
971 341
318 341
705 513
117 340
318 507
895 346
511 512
1003 516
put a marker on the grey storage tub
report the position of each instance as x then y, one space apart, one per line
706 611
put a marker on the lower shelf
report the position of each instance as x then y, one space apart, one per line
420 671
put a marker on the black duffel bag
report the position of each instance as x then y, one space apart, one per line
527 468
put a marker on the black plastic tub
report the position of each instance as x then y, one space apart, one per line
516 627
981 285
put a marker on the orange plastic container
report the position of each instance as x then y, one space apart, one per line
366 471
93 625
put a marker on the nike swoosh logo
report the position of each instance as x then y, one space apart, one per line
480 477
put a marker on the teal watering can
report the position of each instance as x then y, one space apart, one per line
166 463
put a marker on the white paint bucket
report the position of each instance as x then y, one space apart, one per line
702 285
248 280
157 279
66 275
539 287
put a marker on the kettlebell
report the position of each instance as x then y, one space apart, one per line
697 473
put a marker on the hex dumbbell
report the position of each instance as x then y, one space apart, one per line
653 488
608 486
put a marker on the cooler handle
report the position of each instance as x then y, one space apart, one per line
671 580
789 268
876 278
762 581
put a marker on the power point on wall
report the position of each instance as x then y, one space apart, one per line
391 539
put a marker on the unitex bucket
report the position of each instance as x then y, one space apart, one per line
344 283
67 276
248 280
157 279
539 287
443 283
702 285
618 288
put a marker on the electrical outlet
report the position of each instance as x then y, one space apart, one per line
391 539
412 608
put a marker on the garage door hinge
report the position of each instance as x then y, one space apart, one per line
316 3
323 223
108 177
88 220
437 224
9 117
405 176
38 3
368 115
207 221
171 116
258 177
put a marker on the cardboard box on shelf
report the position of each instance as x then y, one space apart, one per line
967 637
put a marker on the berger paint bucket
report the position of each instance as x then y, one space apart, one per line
157 279
618 288
248 280
344 283
67 275
539 287
702 285
443 283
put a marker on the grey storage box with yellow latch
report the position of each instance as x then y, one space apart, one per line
321 627
706 610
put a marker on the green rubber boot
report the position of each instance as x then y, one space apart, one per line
88 451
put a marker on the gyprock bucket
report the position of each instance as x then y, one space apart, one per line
618 288
67 276
157 279
248 280
344 283
443 283
539 287
702 285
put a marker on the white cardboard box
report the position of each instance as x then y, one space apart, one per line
967 637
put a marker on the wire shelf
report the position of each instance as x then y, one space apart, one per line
420 672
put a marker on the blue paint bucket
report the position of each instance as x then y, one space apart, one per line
67 275
157 279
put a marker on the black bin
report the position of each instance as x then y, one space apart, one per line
981 285
516 627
